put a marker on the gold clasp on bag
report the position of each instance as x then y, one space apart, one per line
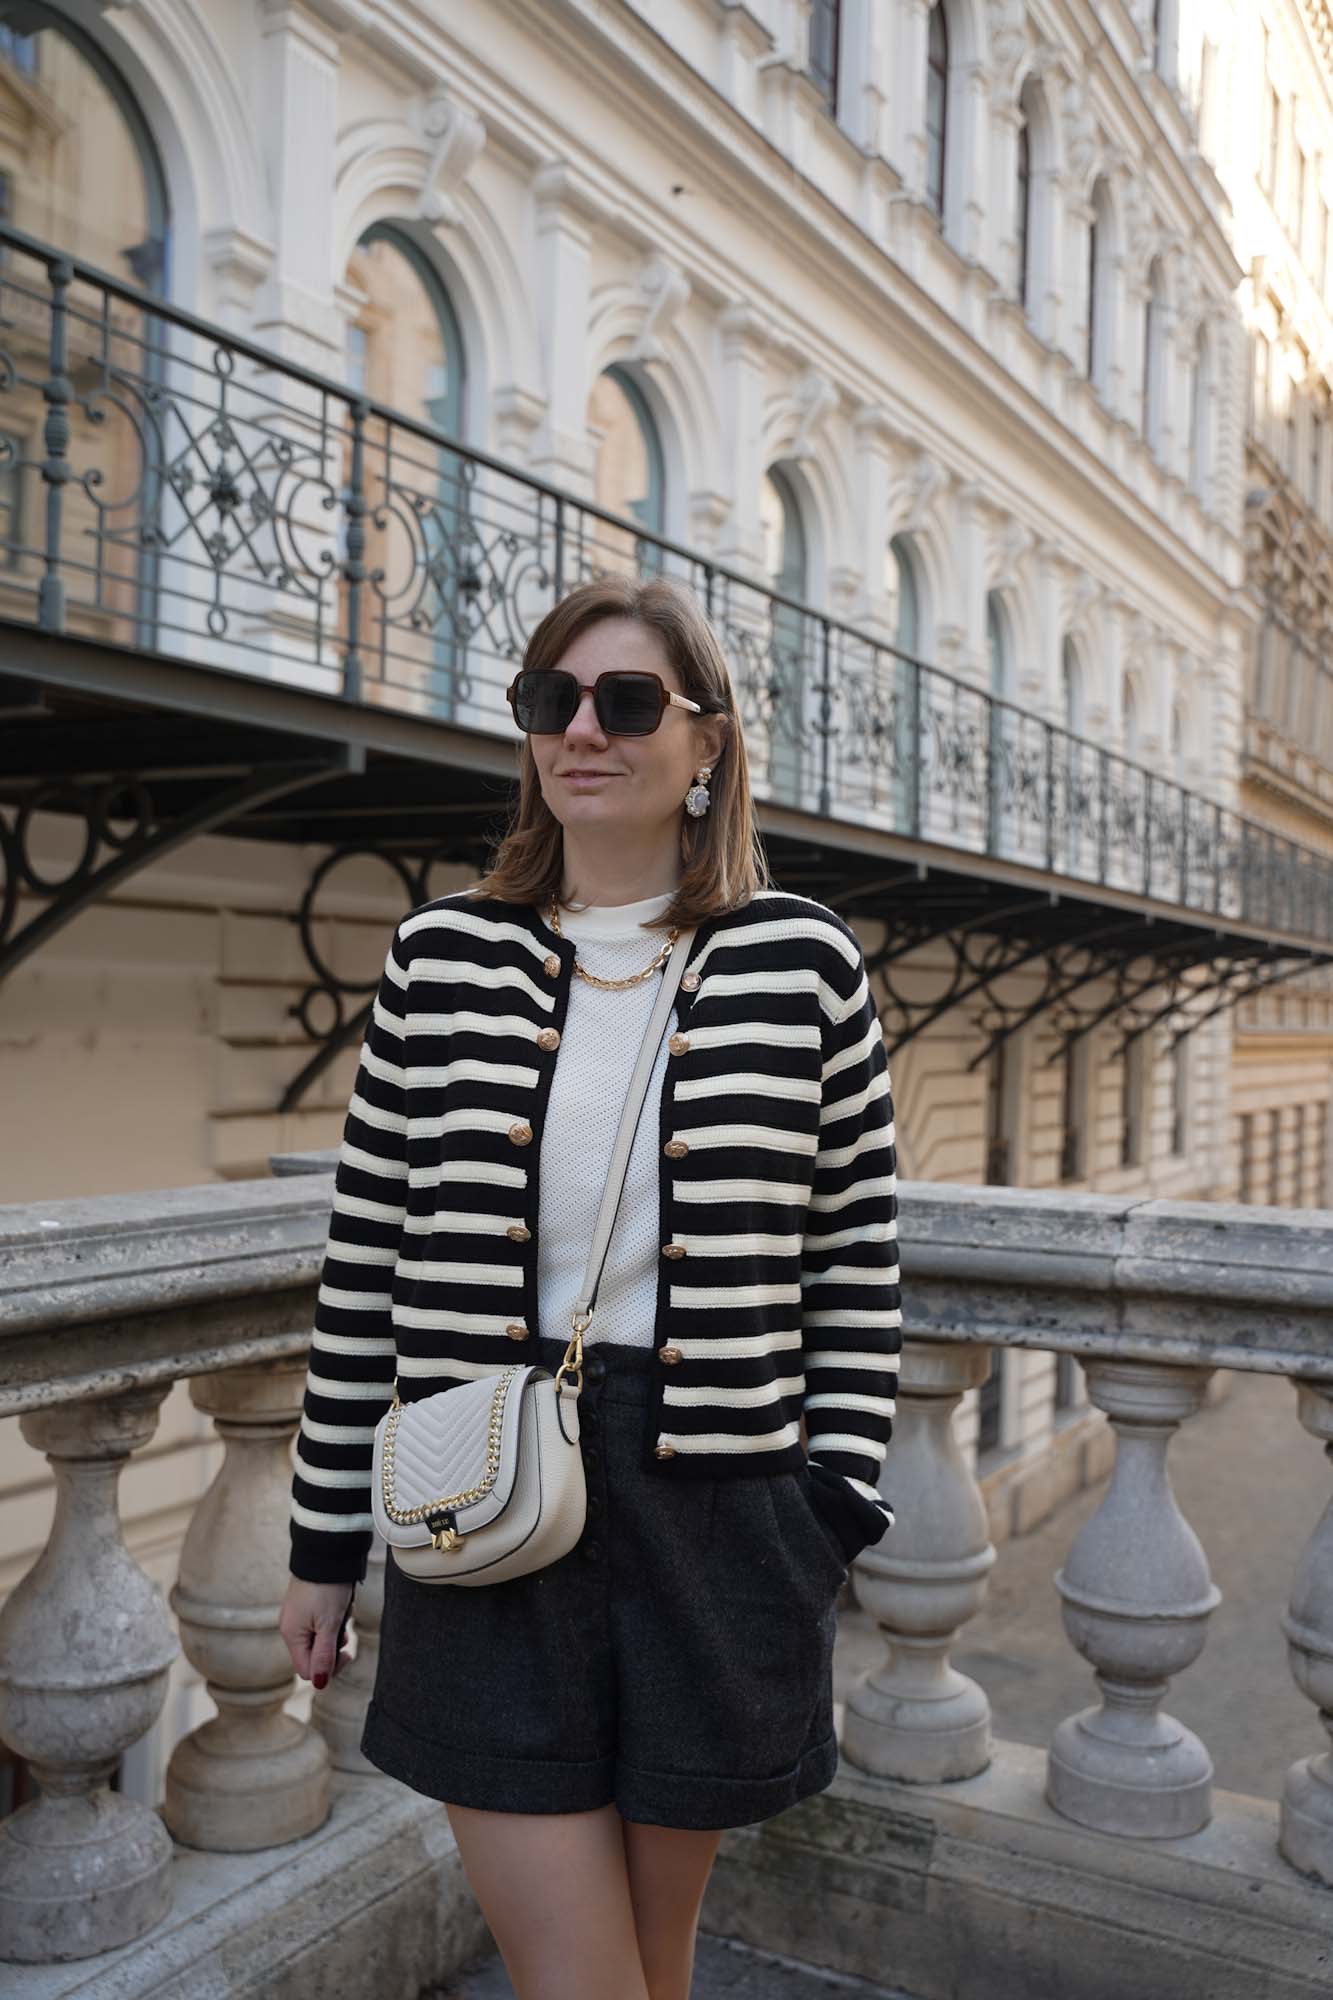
572 1365
446 1540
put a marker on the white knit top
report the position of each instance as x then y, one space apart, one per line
599 1045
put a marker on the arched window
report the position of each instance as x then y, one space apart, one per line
784 535
76 157
1317 422
629 477
824 39
787 566
1154 357
1099 301
996 650
404 345
1005 725
903 588
1199 410
937 106
80 172
1071 689
405 349
1129 718
1165 35
1023 207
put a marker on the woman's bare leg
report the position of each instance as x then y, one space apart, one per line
554 1888
668 1873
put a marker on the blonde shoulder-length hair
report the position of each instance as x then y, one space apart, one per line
722 859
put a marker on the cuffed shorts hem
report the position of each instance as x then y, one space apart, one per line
495 1784
528 1785
666 1798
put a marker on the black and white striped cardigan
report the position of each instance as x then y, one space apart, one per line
777 1293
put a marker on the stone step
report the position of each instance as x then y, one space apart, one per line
721 1969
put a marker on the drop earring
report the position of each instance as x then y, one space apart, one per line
696 799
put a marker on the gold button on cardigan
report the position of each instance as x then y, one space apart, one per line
426 1271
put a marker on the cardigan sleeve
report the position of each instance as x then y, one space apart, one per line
851 1308
349 1382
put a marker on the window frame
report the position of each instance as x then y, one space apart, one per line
824 50
937 97
1023 212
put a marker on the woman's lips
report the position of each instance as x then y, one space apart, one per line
580 779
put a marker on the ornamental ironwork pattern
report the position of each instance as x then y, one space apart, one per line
174 488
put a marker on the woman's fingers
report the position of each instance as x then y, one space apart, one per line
313 1623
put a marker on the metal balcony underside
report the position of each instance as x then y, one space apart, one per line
236 598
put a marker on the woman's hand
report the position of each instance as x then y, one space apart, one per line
313 1624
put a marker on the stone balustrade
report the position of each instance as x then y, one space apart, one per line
103 1304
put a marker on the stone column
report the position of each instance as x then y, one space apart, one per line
1305 1821
339 1710
253 1776
85 1645
907 141
916 1718
745 342
566 216
866 81
1137 1597
297 315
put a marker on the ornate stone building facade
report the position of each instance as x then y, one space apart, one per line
1271 129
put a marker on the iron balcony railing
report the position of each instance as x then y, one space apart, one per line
167 485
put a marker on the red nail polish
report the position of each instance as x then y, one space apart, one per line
321 1680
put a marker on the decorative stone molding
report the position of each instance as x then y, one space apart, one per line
816 399
457 137
664 290
1013 544
927 481
517 415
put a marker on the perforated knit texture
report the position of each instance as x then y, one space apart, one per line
599 1044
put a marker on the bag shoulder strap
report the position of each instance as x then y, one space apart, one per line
629 1122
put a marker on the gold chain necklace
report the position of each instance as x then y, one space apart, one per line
635 978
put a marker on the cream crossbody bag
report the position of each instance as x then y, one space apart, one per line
484 1481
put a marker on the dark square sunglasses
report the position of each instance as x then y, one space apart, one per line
629 701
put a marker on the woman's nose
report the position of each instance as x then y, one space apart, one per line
584 721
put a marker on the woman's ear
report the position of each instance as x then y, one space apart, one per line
713 731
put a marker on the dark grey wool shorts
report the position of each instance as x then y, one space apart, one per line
677 1662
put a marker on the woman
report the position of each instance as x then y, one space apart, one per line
593 1726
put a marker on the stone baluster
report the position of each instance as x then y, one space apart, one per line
85 1646
1136 1600
916 1718
1305 1821
252 1776
339 1710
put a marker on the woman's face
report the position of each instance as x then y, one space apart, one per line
591 780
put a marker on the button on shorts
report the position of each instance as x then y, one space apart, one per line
677 1662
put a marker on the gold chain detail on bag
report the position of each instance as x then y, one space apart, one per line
403 1516
635 978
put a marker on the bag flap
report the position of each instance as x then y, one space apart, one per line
455 1452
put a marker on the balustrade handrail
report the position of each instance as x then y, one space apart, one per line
1075 806
147 1288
